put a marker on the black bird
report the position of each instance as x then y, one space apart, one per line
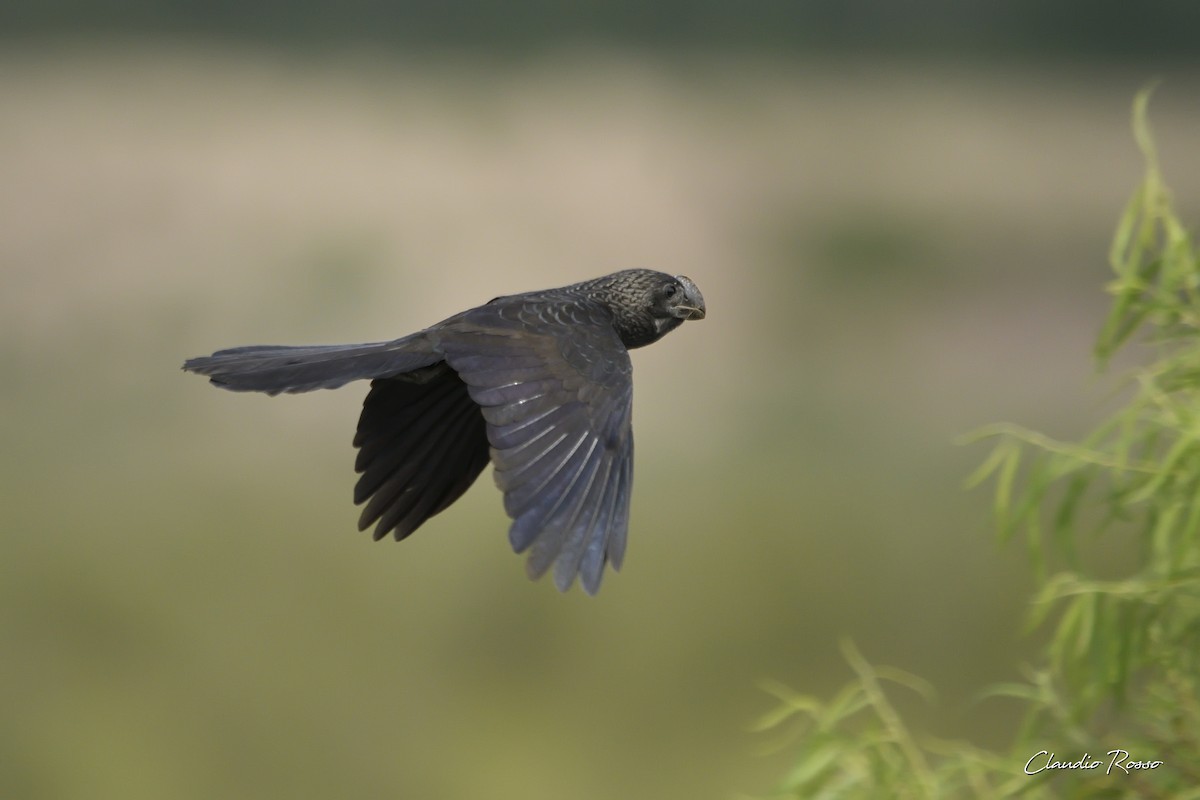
540 383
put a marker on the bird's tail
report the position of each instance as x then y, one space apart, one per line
274 368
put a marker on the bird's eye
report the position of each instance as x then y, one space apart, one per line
670 290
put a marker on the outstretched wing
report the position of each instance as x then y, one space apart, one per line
421 444
555 385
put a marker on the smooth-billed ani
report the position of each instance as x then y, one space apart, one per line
539 383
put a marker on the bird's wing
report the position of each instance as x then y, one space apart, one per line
274 369
421 444
555 385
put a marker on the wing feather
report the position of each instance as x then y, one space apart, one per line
591 516
391 416
422 443
611 532
555 388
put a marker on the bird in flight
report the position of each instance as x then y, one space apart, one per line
539 383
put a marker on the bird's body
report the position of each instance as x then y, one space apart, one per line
538 383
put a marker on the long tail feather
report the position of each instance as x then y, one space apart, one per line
274 369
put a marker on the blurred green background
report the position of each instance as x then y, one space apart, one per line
899 220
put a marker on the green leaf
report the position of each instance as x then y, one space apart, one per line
914 682
989 465
1004 488
1141 127
1166 471
849 701
813 766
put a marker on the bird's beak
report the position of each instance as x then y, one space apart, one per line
692 306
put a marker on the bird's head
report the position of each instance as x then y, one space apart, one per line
676 298
647 305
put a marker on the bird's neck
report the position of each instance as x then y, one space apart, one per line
639 329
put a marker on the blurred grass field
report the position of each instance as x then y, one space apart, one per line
892 254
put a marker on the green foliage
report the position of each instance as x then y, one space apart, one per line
857 745
1121 668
